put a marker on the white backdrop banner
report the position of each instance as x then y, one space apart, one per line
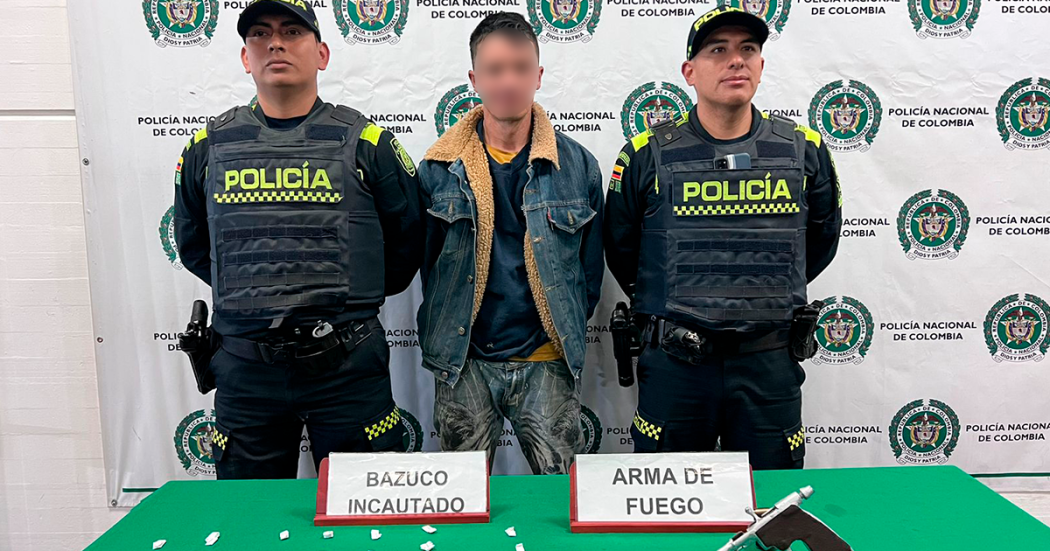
933 343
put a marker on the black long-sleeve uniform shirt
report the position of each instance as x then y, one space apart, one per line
629 199
389 176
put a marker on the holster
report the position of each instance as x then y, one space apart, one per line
803 331
201 348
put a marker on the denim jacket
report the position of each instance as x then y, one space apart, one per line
563 204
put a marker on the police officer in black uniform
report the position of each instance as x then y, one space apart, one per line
714 224
302 216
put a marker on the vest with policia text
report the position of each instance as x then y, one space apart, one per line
292 225
725 249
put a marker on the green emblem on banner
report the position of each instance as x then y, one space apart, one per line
847 115
924 433
1015 329
651 104
943 18
453 105
774 12
195 441
844 332
562 21
371 21
167 237
592 430
181 23
1023 113
932 225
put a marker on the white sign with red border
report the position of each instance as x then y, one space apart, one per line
662 492
403 488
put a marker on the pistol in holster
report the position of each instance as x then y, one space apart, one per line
200 343
803 331
627 342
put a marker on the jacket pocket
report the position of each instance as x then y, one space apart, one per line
570 218
451 209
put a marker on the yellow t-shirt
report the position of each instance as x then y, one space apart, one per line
500 156
545 353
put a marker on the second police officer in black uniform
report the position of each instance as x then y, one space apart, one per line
302 216
715 223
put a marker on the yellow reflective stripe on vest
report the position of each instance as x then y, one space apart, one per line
279 197
728 210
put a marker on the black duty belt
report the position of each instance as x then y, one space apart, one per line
721 342
313 342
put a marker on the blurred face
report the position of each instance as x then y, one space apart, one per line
279 51
725 72
506 75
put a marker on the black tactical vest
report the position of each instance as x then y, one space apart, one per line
292 225
726 249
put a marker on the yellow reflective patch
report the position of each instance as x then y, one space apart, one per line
200 135
388 422
279 197
371 134
641 140
731 210
811 135
647 428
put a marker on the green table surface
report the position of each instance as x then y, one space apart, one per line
905 508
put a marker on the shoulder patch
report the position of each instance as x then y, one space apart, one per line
371 133
178 173
200 135
403 157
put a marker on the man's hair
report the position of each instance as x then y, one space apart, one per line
506 23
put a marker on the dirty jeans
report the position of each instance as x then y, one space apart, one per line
541 400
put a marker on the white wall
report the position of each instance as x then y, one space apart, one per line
51 475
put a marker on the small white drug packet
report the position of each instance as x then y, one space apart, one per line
519 547
159 544
427 546
429 529
511 532
376 535
328 535
211 539
285 535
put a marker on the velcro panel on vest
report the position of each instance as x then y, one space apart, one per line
275 280
281 301
695 152
273 257
275 232
326 132
235 134
772 150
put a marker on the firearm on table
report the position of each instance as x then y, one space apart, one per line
786 523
